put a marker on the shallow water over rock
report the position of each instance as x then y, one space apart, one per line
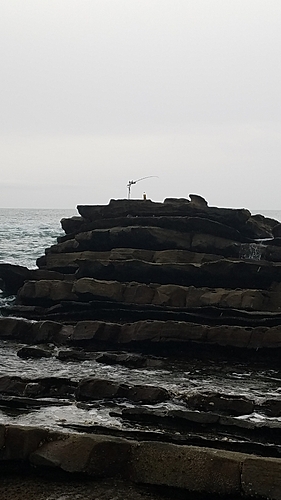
181 377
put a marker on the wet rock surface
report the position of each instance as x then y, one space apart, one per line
29 487
149 342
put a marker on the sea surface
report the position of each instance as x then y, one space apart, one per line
25 233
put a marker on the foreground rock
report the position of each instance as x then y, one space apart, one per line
28 485
195 469
13 277
85 333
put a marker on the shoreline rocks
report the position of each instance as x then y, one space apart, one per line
199 469
134 285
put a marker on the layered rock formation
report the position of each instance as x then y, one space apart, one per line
172 293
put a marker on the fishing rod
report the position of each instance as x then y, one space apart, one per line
130 183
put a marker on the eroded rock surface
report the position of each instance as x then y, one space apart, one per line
142 307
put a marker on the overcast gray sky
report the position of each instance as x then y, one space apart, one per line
97 92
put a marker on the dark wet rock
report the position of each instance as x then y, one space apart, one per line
30 402
47 291
85 289
145 394
152 238
20 442
276 231
41 262
141 414
130 360
32 389
73 224
69 262
272 407
198 201
221 403
260 475
33 332
109 311
183 224
57 387
172 418
36 486
87 330
154 464
34 352
264 223
143 331
171 207
149 238
258 227
222 273
12 385
197 469
41 387
277 243
92 389
99 456
65 247
245 434
272 252
87 333
13 276
47 331
15 328
72 355
194 416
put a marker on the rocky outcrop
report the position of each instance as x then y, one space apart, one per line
86 289
139 302
13 277
199 469
182 224
87 333
172 207
70 262
222 273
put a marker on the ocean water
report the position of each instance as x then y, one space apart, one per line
24 234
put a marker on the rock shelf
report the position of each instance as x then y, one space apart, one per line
153 332
199 469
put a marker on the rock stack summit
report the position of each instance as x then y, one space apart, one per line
186 300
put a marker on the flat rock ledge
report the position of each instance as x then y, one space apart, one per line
194 469
91 333
50 292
